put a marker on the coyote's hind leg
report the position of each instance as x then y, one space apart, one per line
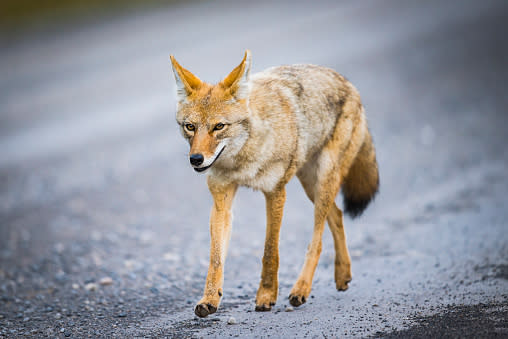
321 181
269 286
342 259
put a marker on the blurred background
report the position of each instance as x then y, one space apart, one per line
104 225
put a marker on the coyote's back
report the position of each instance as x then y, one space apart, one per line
323 104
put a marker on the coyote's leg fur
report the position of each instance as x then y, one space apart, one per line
342 259
269 286
321 178
326 186
220 231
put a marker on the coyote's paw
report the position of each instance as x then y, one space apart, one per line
208 305
342 284
342 276
265 299
264 307
300 293
203 310
297 300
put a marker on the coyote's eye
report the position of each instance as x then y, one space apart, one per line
190 127
218 127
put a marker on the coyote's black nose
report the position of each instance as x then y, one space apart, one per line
196 159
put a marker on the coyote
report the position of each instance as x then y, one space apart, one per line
259 131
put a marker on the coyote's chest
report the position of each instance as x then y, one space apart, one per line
264 179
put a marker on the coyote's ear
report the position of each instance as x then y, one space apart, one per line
237 82
186 82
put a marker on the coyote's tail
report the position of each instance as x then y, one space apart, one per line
362 181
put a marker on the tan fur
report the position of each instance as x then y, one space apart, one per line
260 131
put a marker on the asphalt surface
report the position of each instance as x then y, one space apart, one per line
104 225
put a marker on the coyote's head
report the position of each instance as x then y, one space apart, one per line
213 118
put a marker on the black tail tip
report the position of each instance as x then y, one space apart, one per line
354 207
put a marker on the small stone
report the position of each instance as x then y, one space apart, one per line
91 287
122 315
62 330
231 321
59 248
67 333
289 309
171 256
61 277
58 315
106 281
75 286
25 319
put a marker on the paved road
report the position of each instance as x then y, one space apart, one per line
95 181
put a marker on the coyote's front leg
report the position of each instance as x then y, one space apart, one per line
220 230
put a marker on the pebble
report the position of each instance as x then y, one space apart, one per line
58 315
59 248
62 330
61 277
91 287
106 281
231 321
289 309
122 315
75 286
171 257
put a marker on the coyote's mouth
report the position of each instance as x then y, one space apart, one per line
201 169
